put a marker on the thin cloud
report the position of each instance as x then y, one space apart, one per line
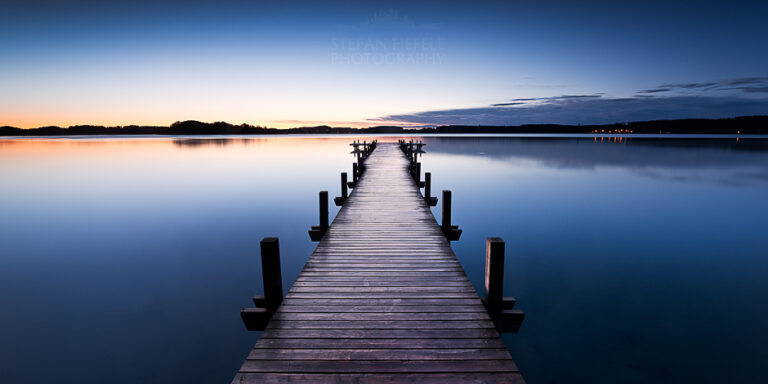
756 89
506 104
744 84
655 90
689 85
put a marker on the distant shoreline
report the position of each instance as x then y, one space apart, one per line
744 125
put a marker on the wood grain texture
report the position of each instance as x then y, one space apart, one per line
382 299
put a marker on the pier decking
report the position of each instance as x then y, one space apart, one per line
382 299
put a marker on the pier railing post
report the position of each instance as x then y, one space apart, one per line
500 308
256 319
446 211
323 210
494 275
417 175
452 232
354 174
271 273
344 194
316 232
431 201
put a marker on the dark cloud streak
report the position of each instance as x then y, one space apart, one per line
593 111
715 99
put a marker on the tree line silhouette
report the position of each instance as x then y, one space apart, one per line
738 125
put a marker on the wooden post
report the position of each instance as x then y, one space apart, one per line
431 200
360 165
354 173
418 173
339 201
271 274
323 210
427 185
446 211
452 232
494 275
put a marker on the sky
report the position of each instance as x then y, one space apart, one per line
300 63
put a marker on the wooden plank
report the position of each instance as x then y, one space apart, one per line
331 343
375 324
292 308
378 366
419 301
474 333
365 316
380 354
392 378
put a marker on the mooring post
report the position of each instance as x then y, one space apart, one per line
354 173
270 270
339 201
323 210
494 275
360 166
316 232
256 319
431 200
446 211
452 232
500 308
417 175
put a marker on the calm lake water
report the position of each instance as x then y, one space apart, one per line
635 260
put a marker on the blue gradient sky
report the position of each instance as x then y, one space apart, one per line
365 63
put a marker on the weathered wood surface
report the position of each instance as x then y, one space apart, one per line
382 299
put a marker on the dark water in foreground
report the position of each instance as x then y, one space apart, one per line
128 259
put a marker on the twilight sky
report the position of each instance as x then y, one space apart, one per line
295 63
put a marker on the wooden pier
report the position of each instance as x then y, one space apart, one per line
383 298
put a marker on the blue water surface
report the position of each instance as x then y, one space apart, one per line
635 259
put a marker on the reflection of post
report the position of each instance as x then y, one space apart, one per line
494 275
272 276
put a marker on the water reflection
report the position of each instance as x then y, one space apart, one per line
725 162
634 259
221 142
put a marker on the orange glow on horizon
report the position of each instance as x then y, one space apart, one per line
29 122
